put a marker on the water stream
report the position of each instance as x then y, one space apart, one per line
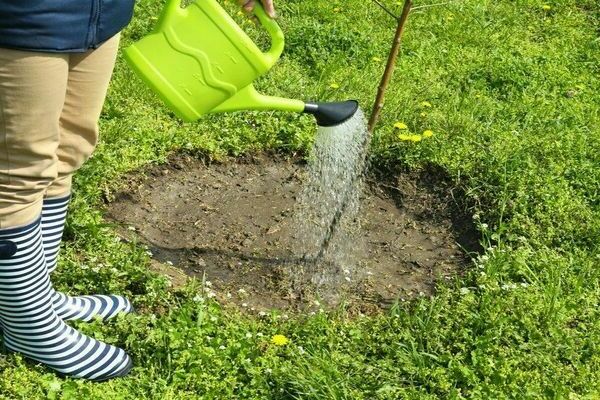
327 234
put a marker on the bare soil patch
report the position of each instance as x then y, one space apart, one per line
232 223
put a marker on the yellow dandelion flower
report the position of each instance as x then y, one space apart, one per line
334 86
400 125
337 9
546 7
279 340
423 114
415 138
427 134
426 104
404 137
376 59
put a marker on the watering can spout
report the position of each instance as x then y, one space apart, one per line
326 114
250 99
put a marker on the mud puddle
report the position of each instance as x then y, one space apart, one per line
231 222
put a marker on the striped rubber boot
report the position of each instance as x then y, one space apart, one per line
81 308
30 324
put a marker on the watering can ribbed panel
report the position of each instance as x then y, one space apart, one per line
205 65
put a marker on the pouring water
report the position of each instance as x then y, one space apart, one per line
329 203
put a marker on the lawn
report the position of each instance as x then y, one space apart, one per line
511 91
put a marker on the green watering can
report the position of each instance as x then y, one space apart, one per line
199 61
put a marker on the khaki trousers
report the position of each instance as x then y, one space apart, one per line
50 104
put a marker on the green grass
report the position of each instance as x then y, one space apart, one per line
515 95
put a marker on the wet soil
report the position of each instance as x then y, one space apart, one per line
232 223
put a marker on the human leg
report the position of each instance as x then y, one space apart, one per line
88 78
32 92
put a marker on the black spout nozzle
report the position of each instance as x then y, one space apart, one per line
332 114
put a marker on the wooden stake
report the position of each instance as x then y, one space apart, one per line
391 66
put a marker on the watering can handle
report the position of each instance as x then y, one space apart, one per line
277 38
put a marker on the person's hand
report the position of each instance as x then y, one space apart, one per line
248 6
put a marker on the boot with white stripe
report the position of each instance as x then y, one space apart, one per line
30 323
80 308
